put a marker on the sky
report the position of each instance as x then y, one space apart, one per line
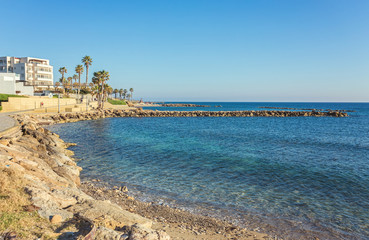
202 50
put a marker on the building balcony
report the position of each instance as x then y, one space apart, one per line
43 79
42 65
43 72
38 83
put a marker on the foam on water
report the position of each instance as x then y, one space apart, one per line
292 177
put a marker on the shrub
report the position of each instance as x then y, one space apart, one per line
117 102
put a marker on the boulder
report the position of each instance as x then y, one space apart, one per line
139 232
103 233
94 209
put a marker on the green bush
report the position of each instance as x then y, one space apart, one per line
4 97
117 102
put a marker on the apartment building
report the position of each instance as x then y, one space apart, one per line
10 84
34 72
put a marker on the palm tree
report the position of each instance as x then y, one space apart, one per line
87 60
109 90
75 78
131 90
120 93
125 93
99 79
79 71
57 84
62 70
91 85
115 92
69 82
63 82
128 96
75 84
94 90
96 79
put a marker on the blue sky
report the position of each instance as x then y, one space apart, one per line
203 50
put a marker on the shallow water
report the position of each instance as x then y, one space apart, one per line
293 177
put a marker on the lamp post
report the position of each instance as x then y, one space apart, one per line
58 102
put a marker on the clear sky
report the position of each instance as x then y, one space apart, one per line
202 50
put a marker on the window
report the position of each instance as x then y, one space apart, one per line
22 75
22 68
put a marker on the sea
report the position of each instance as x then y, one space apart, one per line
292 177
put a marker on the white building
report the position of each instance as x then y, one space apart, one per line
10 84
34 72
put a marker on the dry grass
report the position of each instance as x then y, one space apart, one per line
13 217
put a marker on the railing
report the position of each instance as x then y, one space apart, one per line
39 83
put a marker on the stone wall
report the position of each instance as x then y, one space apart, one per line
17 104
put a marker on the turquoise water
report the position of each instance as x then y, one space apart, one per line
296 178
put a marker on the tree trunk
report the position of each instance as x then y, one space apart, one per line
79 83
86 75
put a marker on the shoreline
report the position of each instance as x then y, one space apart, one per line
44 148
178 223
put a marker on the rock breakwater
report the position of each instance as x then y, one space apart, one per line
70 117
182 105
310 109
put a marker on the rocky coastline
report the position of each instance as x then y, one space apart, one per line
51 179
66 209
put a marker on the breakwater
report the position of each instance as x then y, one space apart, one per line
310 109
182 105
67 117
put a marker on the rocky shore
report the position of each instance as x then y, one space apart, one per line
51 179
37 168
